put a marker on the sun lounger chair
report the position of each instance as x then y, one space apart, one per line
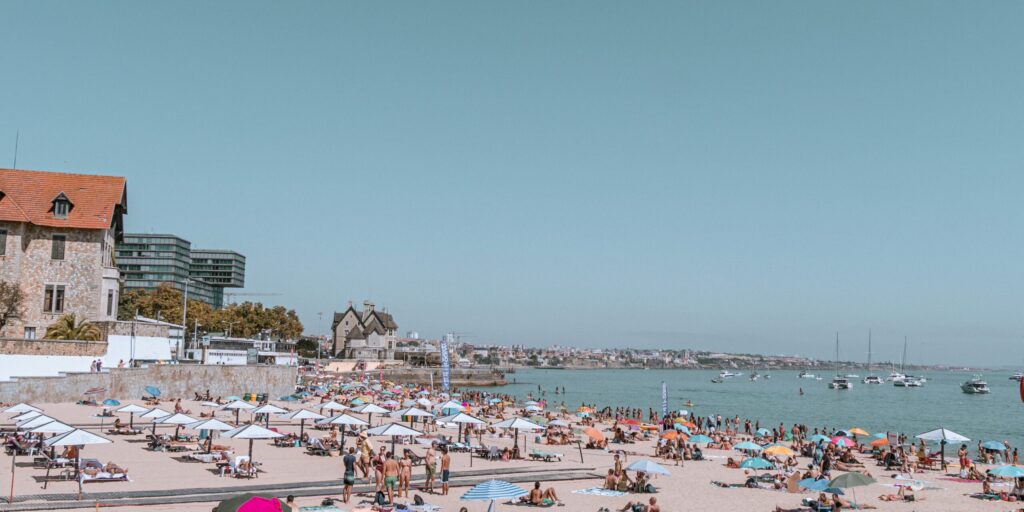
239 469
316 447
545 456
93 471
493 453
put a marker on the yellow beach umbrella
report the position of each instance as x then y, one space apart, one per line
858 432
778 450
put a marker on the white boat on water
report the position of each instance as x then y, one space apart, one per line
913 382
726 374
852 376
872 379
805 375
1018 376
839 382
975 386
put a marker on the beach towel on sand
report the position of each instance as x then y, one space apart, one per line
597 491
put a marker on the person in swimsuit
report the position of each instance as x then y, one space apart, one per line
428 465
349 462
391 471
446 465
539 498
378 470
404 475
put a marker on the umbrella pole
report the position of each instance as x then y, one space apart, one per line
237 411
302 429
343 440
251 466
14 457
942 454
131 420
580 446
78 470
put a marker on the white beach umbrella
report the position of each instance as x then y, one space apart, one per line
369 410
153 415
558 423
412 413
132 410
345 421
77 437
31 423
451 405
394 430
27 415
238 406
942 436
21 408
302 415
267 410
423 402
534 408
519 424
251 432
333 406
212 425
53 427
177 420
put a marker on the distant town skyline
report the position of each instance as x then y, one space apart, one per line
585 173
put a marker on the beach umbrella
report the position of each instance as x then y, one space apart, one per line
153 391
682 428
672 434
394 430
232 398
463 419
369 410
21 408
110 402
843 441
250 502
558 423
153 415
238 406
302 415
492 490
763 432
534 408
779 450
594 434
345 421
213 425
423 402
250 432
412 413
131 409
859 432
80 438
818 486
755 463
1007 472
333 406
851 480
649 467
31 423
26 416
53 427
267 410
177 420
451 405
519 424
817 438
994 445
748 446
842 433
942 436
701 439
390 404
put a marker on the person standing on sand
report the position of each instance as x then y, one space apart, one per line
405 474
391 470
430 469
446 466
349 462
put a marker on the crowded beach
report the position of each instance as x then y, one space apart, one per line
360 444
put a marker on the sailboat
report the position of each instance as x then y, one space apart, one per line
898 379
871 378
839 382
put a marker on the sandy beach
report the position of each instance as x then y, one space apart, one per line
287 470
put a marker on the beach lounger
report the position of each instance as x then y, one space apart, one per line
545 456
316 447
93 471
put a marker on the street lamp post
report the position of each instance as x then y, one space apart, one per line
319 323
184 319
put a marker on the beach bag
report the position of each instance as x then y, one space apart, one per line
327 502
417 499
380 498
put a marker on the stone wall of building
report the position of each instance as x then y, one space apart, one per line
174 381
16 346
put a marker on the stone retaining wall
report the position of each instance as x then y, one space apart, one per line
52 347
172 380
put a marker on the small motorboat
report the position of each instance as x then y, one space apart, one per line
872 379
1017 376
717 380
975 386
805 375
840 383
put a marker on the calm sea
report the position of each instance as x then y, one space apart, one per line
875 408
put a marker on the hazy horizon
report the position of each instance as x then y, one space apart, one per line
750 176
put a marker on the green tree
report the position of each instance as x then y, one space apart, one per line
11 301
67 328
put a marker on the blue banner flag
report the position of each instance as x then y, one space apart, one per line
664 399
445 364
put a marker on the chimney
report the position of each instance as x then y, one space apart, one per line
367 308
349 303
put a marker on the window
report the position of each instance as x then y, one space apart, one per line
53 298
3 242
30 333
110 302
61 206
57 252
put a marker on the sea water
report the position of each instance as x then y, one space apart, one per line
873 407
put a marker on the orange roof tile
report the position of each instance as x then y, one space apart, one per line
27 196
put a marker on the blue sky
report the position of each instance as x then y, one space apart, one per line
748 176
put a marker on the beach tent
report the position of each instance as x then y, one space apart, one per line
131 409
251 432
302 415
942 436
492 490
394 430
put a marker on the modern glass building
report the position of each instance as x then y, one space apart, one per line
149 260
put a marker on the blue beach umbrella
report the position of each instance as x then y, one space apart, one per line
682 428
111 402
493 490
748 446
153 390
701 439
817 438
756 463
233 398
288 398
818 486
1007 472
649 467
880 435
994 445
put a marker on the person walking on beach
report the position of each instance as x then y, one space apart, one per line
391 470
446 465
349 462
430 469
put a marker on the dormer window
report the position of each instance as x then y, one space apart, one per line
61 206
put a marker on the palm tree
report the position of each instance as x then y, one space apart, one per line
67 328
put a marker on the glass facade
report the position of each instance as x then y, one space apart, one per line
149 260
221 268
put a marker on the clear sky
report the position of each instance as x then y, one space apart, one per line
747 176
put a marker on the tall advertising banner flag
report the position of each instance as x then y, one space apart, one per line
445 364
664 399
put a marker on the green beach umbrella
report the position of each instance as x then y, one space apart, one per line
851 480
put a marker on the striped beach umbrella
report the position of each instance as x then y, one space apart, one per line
493 490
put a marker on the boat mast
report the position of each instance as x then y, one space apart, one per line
837 353
903 362
869 351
